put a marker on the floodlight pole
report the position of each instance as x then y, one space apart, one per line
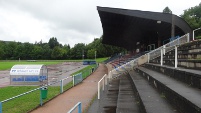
82 54
194 32
95 55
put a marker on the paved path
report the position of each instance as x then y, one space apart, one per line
83 92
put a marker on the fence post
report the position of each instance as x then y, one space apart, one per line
80 108
1 110
161 56
61 88
41 100
175 63
73 80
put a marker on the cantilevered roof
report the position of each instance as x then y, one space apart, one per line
26 69
124 28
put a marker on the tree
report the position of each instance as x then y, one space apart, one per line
103 50
9 49
27 51
37 52
53 42
193 17
167 10
46 54
78 51
2 53
91 53
57 53
66 49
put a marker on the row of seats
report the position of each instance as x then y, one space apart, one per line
29 78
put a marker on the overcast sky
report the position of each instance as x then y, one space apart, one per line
70 21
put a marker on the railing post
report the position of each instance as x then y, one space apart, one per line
106 80
188 38
103 82
161 56
175 57
61 88
99 90
164 49
80 108
1 110
148 57
109 75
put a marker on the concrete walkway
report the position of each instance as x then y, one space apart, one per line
84 93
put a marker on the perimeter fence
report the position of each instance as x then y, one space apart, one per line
37 97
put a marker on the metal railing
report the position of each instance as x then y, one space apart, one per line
157 52
104 82
78 105
77 79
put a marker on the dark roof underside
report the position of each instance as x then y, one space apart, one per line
124 28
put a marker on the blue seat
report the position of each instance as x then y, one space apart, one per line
14 79
20 79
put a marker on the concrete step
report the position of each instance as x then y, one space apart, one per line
185 98
150 100
108 102
126 99
189 76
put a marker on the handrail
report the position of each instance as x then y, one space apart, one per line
79 105
103 78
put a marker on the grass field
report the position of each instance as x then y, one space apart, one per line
4 65
8 64
27 102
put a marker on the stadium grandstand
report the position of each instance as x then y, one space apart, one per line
161 73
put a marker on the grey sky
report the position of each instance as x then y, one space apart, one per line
71 21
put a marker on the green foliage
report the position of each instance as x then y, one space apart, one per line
91 53
167 10
78 51
54 50
199 37
193 17
102 50
57 53
53 42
